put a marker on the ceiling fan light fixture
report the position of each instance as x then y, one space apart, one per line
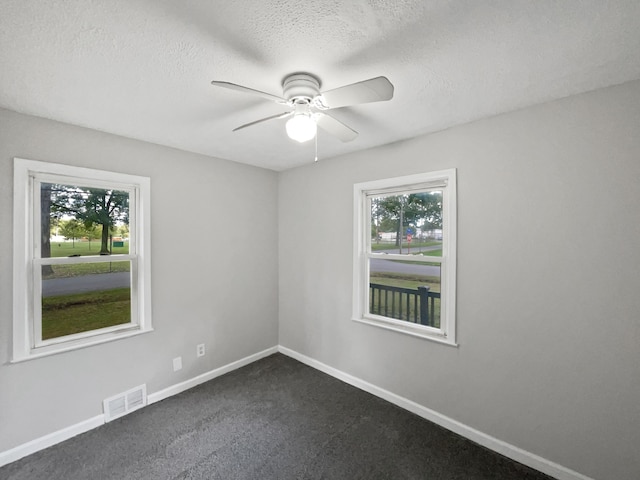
301 127
301 91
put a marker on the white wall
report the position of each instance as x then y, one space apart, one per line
205 288
548 279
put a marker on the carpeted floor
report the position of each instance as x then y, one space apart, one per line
273 419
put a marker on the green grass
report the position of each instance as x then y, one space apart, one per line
68 314
77 270
392 246
405 280
83 248
431 253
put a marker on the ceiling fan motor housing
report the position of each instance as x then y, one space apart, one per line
300 88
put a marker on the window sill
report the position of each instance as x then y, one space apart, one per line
67 347
419 331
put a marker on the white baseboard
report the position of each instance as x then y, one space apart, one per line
205 377
41 443
51 439
511 451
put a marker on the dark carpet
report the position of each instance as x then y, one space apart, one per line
273 419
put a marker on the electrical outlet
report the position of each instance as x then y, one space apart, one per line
200 351
177 364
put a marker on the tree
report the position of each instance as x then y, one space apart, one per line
91 231
72 229
122 230
391 211
427 209
93 206
104 208
45 226
418 210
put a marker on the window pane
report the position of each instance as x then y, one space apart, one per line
407 223
77 220
83 297
407 291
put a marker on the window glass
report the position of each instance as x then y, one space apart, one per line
77 221
83 297
408 223
406 291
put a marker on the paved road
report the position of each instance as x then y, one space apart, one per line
411 250
85 283
380 265
106 281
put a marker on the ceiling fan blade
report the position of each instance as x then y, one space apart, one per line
272 117
240 88
372 90
335 127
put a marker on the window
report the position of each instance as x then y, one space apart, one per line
404 254
81 257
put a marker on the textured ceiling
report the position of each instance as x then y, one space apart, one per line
141 68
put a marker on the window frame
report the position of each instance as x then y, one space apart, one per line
444 180
27 265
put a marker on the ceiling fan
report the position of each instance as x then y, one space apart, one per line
301 92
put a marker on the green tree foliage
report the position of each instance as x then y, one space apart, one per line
122 230
91 206
72 229
425 209
398 212
92 231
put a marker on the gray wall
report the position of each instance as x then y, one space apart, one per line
548 279
206 215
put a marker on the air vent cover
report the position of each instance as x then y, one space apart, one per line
123 403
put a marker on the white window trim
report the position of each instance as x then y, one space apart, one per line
24 263
361 253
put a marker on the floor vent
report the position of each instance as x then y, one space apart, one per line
123 403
